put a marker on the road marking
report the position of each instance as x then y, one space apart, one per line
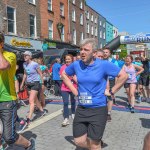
44 119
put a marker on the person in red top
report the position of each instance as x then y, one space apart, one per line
65 91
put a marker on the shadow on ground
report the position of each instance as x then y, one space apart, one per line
70 139
122 98
145 123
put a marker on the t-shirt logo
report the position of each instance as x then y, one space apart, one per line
28 71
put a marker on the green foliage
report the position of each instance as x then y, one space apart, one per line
123 53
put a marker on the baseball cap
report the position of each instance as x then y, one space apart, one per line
27 53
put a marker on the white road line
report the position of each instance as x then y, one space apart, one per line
43 120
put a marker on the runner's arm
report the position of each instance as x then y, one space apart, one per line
67 81
4 64
41 75
23 80
139 68
121 78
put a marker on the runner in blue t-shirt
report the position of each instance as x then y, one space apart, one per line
110 82
91 114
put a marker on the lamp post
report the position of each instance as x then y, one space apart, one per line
59 27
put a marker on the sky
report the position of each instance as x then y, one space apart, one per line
132 16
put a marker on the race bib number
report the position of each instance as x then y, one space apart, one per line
84 98
129 76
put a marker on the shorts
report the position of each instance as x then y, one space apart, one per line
111 84
33 86
90 121
8 115
127 85
144 81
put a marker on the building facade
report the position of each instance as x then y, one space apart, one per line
109 32
101 31
21 20
76 16
91 23
54 20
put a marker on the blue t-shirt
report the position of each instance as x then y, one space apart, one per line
55 71
92 81
114 61
138 64
31 71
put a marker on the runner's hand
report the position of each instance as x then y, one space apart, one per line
107 93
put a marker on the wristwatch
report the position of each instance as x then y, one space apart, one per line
110 91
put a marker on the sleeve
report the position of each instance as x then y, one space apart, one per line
36 66
70 70
11 59
111 69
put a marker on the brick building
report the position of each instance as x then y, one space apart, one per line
54 20
76 15
20 18
91 23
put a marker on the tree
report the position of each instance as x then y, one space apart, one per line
123 52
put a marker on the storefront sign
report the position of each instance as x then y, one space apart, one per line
20 43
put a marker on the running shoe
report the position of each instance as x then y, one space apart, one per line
32 146
128 106
65 122
42 113
132 110
109 118
23 124
72 116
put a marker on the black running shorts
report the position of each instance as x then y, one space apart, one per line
90 121
33 86
144 80
8 115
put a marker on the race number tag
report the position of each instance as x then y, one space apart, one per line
129 76
84 98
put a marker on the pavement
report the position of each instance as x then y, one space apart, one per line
126 131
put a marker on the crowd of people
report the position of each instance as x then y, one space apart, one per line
93 77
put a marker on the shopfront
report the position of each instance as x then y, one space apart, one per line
53 49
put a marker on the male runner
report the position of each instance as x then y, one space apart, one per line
91 114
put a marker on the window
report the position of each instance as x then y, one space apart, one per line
11 15
95 31
73 15
61 9
74 36
92 30
50 5
104 25
81 19
95 20
81 4
81 36
88 28
50 29
32 26
62 33
31 1
92 18
100 22
100 33
104 35
87 15
73 1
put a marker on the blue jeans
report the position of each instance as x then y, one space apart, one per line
65 96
